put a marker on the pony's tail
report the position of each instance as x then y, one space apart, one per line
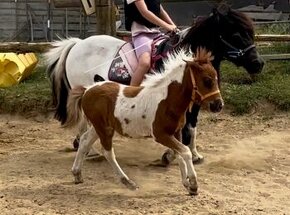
55 60
74 111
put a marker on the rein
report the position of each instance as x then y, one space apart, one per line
234 52
196 91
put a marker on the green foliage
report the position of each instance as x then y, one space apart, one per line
272 85
30 95
240 93
277 28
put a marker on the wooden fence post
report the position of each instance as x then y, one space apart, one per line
106 17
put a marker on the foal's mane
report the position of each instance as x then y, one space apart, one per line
171 69
203 56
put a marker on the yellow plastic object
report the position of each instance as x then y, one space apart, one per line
16 67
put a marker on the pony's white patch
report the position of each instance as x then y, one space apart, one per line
138 113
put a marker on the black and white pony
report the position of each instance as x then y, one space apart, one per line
227 33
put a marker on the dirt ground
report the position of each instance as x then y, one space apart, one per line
245 171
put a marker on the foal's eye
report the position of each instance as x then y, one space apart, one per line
208 83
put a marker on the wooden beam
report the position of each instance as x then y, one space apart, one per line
23 47
276 56
40 47
67 3
272 37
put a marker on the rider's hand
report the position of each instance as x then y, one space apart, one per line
172 28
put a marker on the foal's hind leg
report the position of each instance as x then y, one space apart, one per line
106 138
86 141
82 128
110 156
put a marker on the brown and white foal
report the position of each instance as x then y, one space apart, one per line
157 108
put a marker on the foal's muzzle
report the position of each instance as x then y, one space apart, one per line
216 105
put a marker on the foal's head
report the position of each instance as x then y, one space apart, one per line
205 81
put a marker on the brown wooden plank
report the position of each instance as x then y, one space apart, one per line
272 37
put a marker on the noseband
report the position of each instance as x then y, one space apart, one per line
235 53
195 92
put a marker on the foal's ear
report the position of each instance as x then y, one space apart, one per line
193 64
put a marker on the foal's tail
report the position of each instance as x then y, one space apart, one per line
74 111
55 60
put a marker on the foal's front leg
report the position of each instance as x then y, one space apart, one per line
188 174
86 141
189 133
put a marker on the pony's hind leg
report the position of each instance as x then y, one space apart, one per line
86 141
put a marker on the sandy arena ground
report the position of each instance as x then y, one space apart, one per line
246 170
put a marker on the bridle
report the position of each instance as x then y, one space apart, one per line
195 92
235 53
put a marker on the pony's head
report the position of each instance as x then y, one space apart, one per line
228 34
236 38
205 80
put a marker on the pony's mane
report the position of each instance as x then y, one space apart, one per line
242 21
171 69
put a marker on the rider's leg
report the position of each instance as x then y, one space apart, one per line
142 68
142 44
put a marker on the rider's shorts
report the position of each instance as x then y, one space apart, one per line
142 42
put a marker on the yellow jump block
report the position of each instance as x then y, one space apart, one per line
16 67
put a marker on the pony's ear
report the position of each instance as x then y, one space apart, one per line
223 9
215 11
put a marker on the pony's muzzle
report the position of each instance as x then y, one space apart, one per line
216 105
256 66
254 63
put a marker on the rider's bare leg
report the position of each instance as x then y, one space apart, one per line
143 67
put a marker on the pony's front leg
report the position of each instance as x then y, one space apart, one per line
111 158
196 157
189 133
86 141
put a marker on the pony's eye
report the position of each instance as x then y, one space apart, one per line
236 36
208 82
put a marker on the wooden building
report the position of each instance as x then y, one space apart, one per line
39 20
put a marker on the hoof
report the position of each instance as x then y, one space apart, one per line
76 143
191 187
167 157
129 184
197 160
193 191
78 178
196 157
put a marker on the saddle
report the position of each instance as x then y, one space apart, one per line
125 61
